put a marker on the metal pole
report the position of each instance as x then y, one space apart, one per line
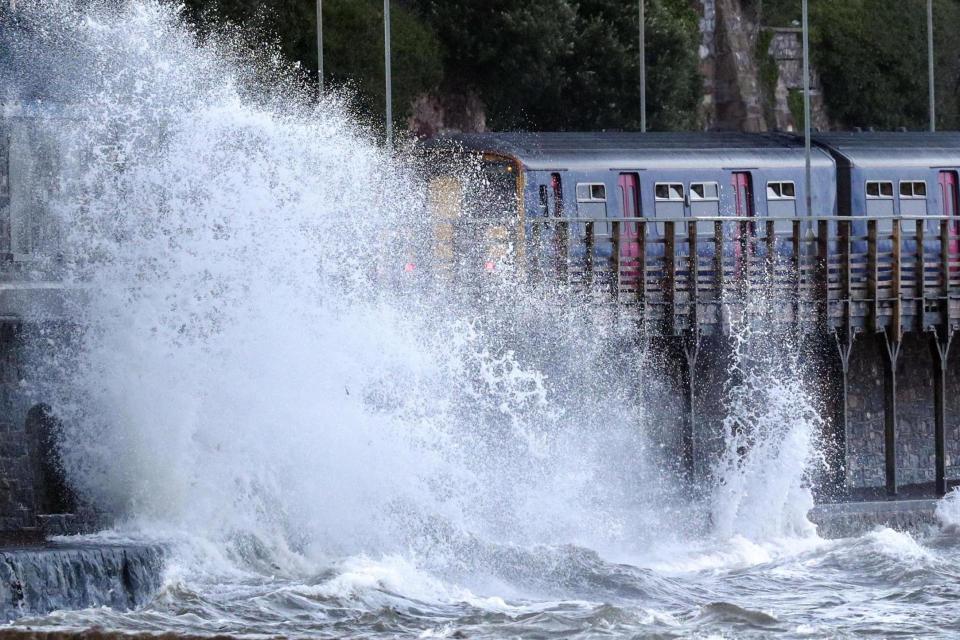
643 67
806 105
930 67
388 71
320 44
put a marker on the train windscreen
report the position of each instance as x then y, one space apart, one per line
492 193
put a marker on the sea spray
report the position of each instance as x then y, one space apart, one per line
330 448
772 429
255 366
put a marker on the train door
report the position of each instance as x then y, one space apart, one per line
951 202
629 245
743 194
444 206
743 205
555 209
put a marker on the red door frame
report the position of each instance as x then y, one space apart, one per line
950 199
743 193
629 184
559 237
742 183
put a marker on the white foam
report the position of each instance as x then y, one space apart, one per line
948 509
899 545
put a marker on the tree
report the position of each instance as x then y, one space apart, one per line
353 44
563 65
872 59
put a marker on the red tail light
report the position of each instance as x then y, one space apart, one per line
489 266
409 267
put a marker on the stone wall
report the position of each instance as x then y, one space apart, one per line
31 480
915 413
735 96
732 94
17 468
786 50
864 471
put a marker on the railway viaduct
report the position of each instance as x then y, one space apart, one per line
878 304
875 302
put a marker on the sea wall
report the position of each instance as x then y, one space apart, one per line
915 443
35 581
859 462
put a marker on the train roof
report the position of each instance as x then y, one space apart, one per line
893 148
620 150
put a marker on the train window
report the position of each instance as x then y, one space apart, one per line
591 192
492 192
705 203
592 203
781 191
879 190
669 203
700 191
880 202
781 203
669 191
913 190
913 198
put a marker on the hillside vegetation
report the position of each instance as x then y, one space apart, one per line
573 64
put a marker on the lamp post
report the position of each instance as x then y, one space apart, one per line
808 182
320 44
643 67
388 71
930 67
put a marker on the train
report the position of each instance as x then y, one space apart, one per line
523 178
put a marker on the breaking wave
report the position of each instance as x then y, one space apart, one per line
326 443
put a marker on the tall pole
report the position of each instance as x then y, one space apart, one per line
930 67
320 44
806 105
389 71
643 67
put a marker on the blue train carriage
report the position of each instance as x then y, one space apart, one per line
887 174
658 177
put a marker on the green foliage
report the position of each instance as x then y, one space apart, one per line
353 53
353 43
556 64
550 64
769 73
872 57
778 13
795 104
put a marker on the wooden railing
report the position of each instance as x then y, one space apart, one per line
890 274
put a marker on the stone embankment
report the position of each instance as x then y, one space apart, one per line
39 579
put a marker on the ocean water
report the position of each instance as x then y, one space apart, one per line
332 446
